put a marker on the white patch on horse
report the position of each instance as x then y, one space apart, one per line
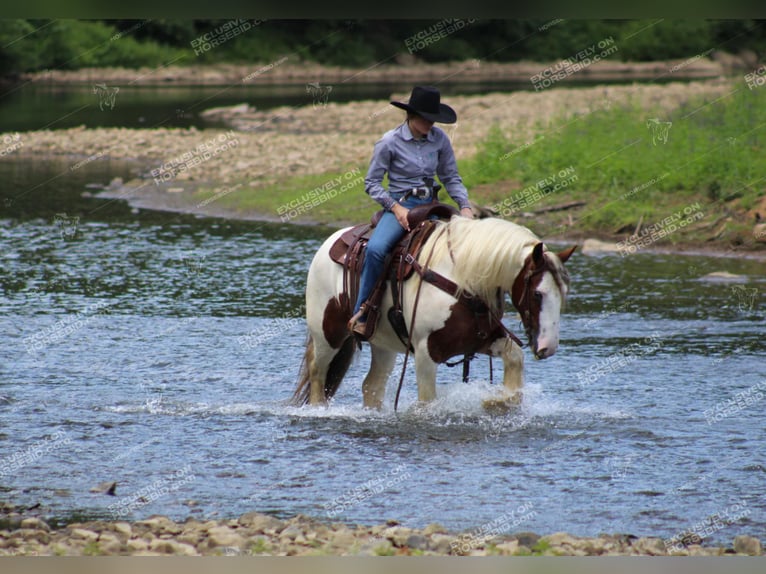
548 338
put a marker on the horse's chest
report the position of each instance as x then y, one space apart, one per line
463 332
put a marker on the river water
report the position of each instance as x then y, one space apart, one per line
157 351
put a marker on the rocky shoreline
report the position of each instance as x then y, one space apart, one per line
257 534
289 69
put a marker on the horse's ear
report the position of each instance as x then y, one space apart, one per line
537 254
567 253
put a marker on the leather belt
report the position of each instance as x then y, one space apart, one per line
417 192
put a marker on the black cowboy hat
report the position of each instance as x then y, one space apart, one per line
425 102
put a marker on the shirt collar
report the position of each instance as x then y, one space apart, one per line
406 134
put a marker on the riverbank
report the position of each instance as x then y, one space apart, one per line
267 163
256 534
289 69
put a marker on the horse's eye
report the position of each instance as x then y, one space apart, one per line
538 297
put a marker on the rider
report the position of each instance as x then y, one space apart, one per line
411 154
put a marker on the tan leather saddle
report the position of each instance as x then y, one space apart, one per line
349 251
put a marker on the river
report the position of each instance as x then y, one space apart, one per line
157 350
138 345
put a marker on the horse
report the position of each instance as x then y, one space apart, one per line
486 259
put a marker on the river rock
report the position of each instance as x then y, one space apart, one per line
724 277
597 247
397 534
31 535
342 538
417 542
137 545
173 547
441 543
160 525
759 232
123 529
595 546
83 534
109 543
528 539
291 532
35 524
261 523
650 546
108 487
224 536
747 545
508 548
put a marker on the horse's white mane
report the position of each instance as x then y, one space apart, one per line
488 253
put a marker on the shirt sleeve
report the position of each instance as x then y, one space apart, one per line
449 176
373 182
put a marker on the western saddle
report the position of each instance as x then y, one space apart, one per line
349 251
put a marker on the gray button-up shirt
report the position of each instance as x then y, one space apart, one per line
407 161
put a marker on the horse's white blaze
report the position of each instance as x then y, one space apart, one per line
548 337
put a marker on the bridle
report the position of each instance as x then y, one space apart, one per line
522 298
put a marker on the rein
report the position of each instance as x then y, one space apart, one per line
451 288
411 260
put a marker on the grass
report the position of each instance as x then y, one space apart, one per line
92 548
259 546
713 156
336 197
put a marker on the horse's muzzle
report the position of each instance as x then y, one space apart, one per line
542 353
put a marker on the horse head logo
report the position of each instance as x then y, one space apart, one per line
319 93
67 224
659 130
745 297
106 95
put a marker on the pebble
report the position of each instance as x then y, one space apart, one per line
256 533
747 545
598 247
82 534
224 536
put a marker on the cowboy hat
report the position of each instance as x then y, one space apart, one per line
425 102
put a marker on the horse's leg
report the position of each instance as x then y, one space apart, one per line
374 386
319 364
513 374
425 372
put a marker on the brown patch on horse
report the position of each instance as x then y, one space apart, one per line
523 292
335 321
464 332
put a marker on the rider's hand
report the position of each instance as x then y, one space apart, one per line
467 212
401 215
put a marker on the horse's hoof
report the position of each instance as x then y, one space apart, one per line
502 405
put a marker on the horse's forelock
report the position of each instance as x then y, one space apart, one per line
559 272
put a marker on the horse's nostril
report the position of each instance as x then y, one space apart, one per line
542 353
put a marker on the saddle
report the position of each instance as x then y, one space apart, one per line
349 251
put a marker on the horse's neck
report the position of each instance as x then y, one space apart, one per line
486 261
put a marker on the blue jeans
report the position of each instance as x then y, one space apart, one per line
387 233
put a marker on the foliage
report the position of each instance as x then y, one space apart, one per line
71 44
29 45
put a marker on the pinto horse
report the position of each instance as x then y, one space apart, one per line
485 259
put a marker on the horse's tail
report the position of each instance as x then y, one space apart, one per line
335 372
